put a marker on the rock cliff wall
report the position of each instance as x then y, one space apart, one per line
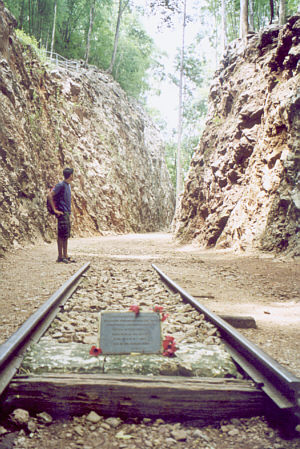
51 118
243 186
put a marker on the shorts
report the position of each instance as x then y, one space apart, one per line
64 226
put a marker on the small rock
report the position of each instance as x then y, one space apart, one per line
170 441
159 421
93 417
179 435
79 430
3 430
121 435
147 420
20 417
233 432
44 418
235 422
57 335
198 434
89 339
21 438
32 425
113 422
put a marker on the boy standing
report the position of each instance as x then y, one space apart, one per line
60 200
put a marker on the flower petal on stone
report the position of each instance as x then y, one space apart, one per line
95 351
135 309
158 309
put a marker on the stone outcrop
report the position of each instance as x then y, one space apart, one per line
243 187
51 118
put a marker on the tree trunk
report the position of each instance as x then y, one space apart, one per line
282 12
179 183
122 8
53 29
243 18
29 17
21 17
88 42
224 25
47 39
271 11
251 15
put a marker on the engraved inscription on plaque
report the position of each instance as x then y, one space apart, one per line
124 333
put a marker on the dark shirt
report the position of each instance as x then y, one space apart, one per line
62 198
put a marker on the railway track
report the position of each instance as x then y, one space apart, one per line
280 387
13 350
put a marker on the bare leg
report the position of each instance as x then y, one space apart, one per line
65 248
60 243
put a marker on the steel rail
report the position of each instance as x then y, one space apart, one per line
13 350
281 386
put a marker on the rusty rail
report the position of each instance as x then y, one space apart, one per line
13 350
281 386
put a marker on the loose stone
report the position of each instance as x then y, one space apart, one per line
44 418
32 425
179 435
93 417
79 430
113 422
20 417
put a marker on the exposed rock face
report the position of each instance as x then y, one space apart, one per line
50 119
243 187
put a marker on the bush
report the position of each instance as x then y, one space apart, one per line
31 41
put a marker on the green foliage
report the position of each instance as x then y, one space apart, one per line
137 59
32 42
197 77
292 7
27 40
135 51
134 57
261 14
188 146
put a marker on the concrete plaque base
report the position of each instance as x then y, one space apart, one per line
191 360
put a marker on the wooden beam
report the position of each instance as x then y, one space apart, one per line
178 398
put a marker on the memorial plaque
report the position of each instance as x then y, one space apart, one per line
124 333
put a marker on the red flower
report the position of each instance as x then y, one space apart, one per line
158 309
165 344
95 351
169 338
135 309
164 316
169 346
